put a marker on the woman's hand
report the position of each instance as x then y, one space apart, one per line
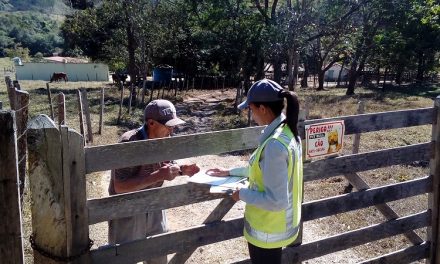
218 172
190 169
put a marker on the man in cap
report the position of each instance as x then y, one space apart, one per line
160 119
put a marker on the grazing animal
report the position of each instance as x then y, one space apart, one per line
58 76
119 77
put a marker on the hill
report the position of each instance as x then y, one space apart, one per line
58 7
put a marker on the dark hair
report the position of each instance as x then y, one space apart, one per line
292 111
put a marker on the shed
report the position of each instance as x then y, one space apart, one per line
333 73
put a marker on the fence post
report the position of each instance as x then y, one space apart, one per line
21 114
81 114
11 244
121 87
85 104
11 92
49 95
101 112
57 181
61 109
433 198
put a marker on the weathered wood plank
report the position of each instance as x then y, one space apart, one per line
49 97
357 237
365 161
122 205
171 242
216 215
11 92
168 243
75 196
407 255
101 111
11 243
168 197
85 104
151 151
61 109
100 158
434 197
379 121
22 106
47 189
103 158
81 114
357 200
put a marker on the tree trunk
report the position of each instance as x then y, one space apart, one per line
321 74
378 75
352 77
399 74
277 70
338 84
420 67
385 78
304 81
290 74
131 44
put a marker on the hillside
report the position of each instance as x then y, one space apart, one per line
58 7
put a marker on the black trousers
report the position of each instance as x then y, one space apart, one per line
264 255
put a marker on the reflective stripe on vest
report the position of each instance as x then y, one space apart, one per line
284 238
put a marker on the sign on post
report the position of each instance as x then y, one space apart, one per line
324 139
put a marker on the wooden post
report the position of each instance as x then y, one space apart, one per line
22 105
85 104
433 198
11 92
57 181
101 112
81 114
11 243
121 87
61 109
1 105
49 95
143 90
130 98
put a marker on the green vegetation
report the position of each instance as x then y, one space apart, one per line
31 30
239 39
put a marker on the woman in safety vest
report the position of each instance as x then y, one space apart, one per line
274 195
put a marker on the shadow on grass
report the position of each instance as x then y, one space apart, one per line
427 90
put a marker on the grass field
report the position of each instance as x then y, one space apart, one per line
322 104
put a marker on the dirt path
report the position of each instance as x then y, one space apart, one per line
198 112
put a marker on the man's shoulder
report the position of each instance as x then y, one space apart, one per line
131 135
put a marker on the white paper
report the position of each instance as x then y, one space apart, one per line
204 178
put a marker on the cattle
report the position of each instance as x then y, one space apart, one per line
58 76
119 77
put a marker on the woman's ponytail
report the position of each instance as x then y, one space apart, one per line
292 111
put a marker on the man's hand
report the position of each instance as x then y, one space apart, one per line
169 172
218 172
236 195
190 169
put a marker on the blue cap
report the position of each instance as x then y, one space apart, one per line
262 91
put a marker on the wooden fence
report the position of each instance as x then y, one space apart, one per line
61 214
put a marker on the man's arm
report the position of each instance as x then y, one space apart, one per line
138 178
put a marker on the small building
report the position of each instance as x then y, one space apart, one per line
331 75
75 68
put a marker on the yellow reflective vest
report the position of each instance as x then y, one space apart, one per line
274 229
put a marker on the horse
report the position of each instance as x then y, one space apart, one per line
58 76
119 77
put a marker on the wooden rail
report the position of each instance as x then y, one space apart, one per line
100 158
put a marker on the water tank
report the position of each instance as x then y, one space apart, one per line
162 73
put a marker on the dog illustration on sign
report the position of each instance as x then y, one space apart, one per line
333 142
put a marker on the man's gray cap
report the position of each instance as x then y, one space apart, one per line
262 91
162 111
